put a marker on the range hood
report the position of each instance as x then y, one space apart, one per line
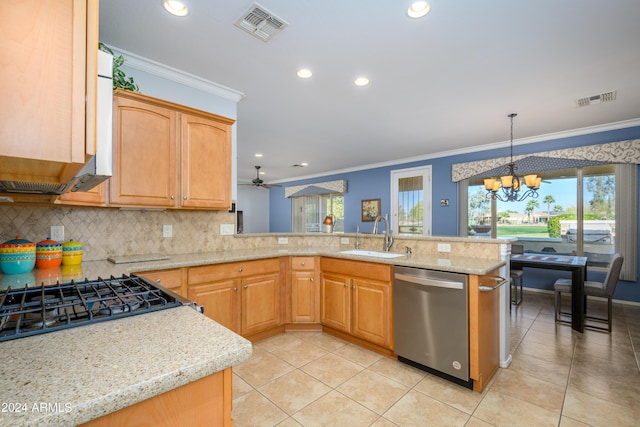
99 167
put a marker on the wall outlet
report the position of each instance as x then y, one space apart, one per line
167 231
444 247
57 233
283 240
344 240
226 229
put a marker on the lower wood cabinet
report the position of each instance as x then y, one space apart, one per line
484 329
242 296
172 279
204 402
356 299
305 292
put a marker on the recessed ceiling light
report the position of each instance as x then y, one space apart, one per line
304 73
361 81
175 7
258 154
304 164
418 9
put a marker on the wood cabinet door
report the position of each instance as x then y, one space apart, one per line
44 83
144 154
371 311
206 163
260 303
484 330
335 300
220 302
303 301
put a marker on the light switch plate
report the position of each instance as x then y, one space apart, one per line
344 240
283 240
226 229
167 231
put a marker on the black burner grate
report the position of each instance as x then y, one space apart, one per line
39 309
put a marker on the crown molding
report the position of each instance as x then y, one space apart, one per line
485 147
173 74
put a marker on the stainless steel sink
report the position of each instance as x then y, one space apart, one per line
375 254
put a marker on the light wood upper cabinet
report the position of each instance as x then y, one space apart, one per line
168 155
97 196
144 153
49 51
206 163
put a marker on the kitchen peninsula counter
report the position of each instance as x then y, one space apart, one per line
443 262
71 376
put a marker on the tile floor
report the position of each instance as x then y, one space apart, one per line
558 378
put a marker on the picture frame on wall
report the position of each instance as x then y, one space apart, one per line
370 210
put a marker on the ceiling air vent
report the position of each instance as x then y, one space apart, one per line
596 99
260 23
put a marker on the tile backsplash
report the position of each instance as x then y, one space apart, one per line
106 232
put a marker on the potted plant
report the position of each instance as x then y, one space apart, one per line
120 79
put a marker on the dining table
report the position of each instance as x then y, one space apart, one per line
577 265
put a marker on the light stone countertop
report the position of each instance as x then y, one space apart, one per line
85 372
443 262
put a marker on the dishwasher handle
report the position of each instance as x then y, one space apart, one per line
425 281
485 288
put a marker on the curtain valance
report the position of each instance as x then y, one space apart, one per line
338 186
613 152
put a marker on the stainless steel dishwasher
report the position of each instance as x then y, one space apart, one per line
431 322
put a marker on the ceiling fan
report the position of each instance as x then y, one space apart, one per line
259 182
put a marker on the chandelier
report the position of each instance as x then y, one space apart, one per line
510 183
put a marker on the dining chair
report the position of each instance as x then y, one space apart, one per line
596 289
516 278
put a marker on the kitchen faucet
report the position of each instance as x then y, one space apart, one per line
388 238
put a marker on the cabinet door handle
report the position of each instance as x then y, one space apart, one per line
345 285
235 289
184 197
240 269
353 287
311 280
246 286
173 197
302 263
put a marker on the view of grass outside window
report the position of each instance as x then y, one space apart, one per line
309 212
550 222
410 205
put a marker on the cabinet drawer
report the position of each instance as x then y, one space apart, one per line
305 263
369 270
170 279
231 270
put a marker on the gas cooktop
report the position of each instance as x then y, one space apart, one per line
33 310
